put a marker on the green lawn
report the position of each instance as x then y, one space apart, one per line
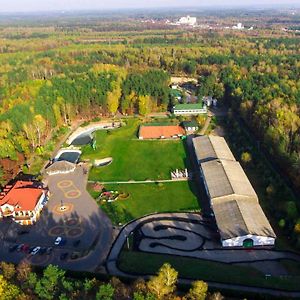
147 263
149 198
133 158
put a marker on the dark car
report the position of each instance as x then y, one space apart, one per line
76 243
21 232
42 251
12 248
49 250
64 256
31 249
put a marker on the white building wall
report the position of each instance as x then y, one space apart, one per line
257 241
182 112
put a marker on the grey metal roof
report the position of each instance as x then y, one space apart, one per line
226 177
211 147
240 217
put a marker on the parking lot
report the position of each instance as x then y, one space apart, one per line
71 214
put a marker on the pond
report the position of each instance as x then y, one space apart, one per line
82 139
70 156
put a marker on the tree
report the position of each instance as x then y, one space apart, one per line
8 270
23 271
32 280
246 157
164 283
88 284
198 291
141 296
39 124
106 292
8 291
121 291
144 104
48 286
113 98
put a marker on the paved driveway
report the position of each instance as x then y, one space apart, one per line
81 219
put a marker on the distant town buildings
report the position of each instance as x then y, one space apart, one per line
188 20
23 202
239 26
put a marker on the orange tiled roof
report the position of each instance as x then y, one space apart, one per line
156 132
23 194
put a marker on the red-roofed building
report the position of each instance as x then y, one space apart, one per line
23 202
161 132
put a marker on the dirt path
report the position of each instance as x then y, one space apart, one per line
135 181
205 127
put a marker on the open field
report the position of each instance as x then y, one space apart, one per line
132 158
149 198
147 263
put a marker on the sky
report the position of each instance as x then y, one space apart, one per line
54 5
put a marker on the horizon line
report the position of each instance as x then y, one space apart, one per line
206 7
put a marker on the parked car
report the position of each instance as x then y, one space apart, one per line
64 256
25 248
49 250
35 250
31 248
42 251
12 248
19 248
59 241
21 232
76 243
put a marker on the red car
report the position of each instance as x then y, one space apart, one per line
25 248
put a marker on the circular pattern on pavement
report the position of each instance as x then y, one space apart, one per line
39 259
57 230
61 209
75 232
72 222
72 194
65 184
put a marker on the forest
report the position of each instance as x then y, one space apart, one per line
22 282
53 76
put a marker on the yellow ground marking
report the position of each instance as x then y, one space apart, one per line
72 194
57 208
65 184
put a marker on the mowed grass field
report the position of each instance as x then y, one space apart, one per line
134 159
150 198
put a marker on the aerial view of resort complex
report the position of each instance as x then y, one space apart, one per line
149 150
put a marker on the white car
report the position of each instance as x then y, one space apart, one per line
35 250
59 240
